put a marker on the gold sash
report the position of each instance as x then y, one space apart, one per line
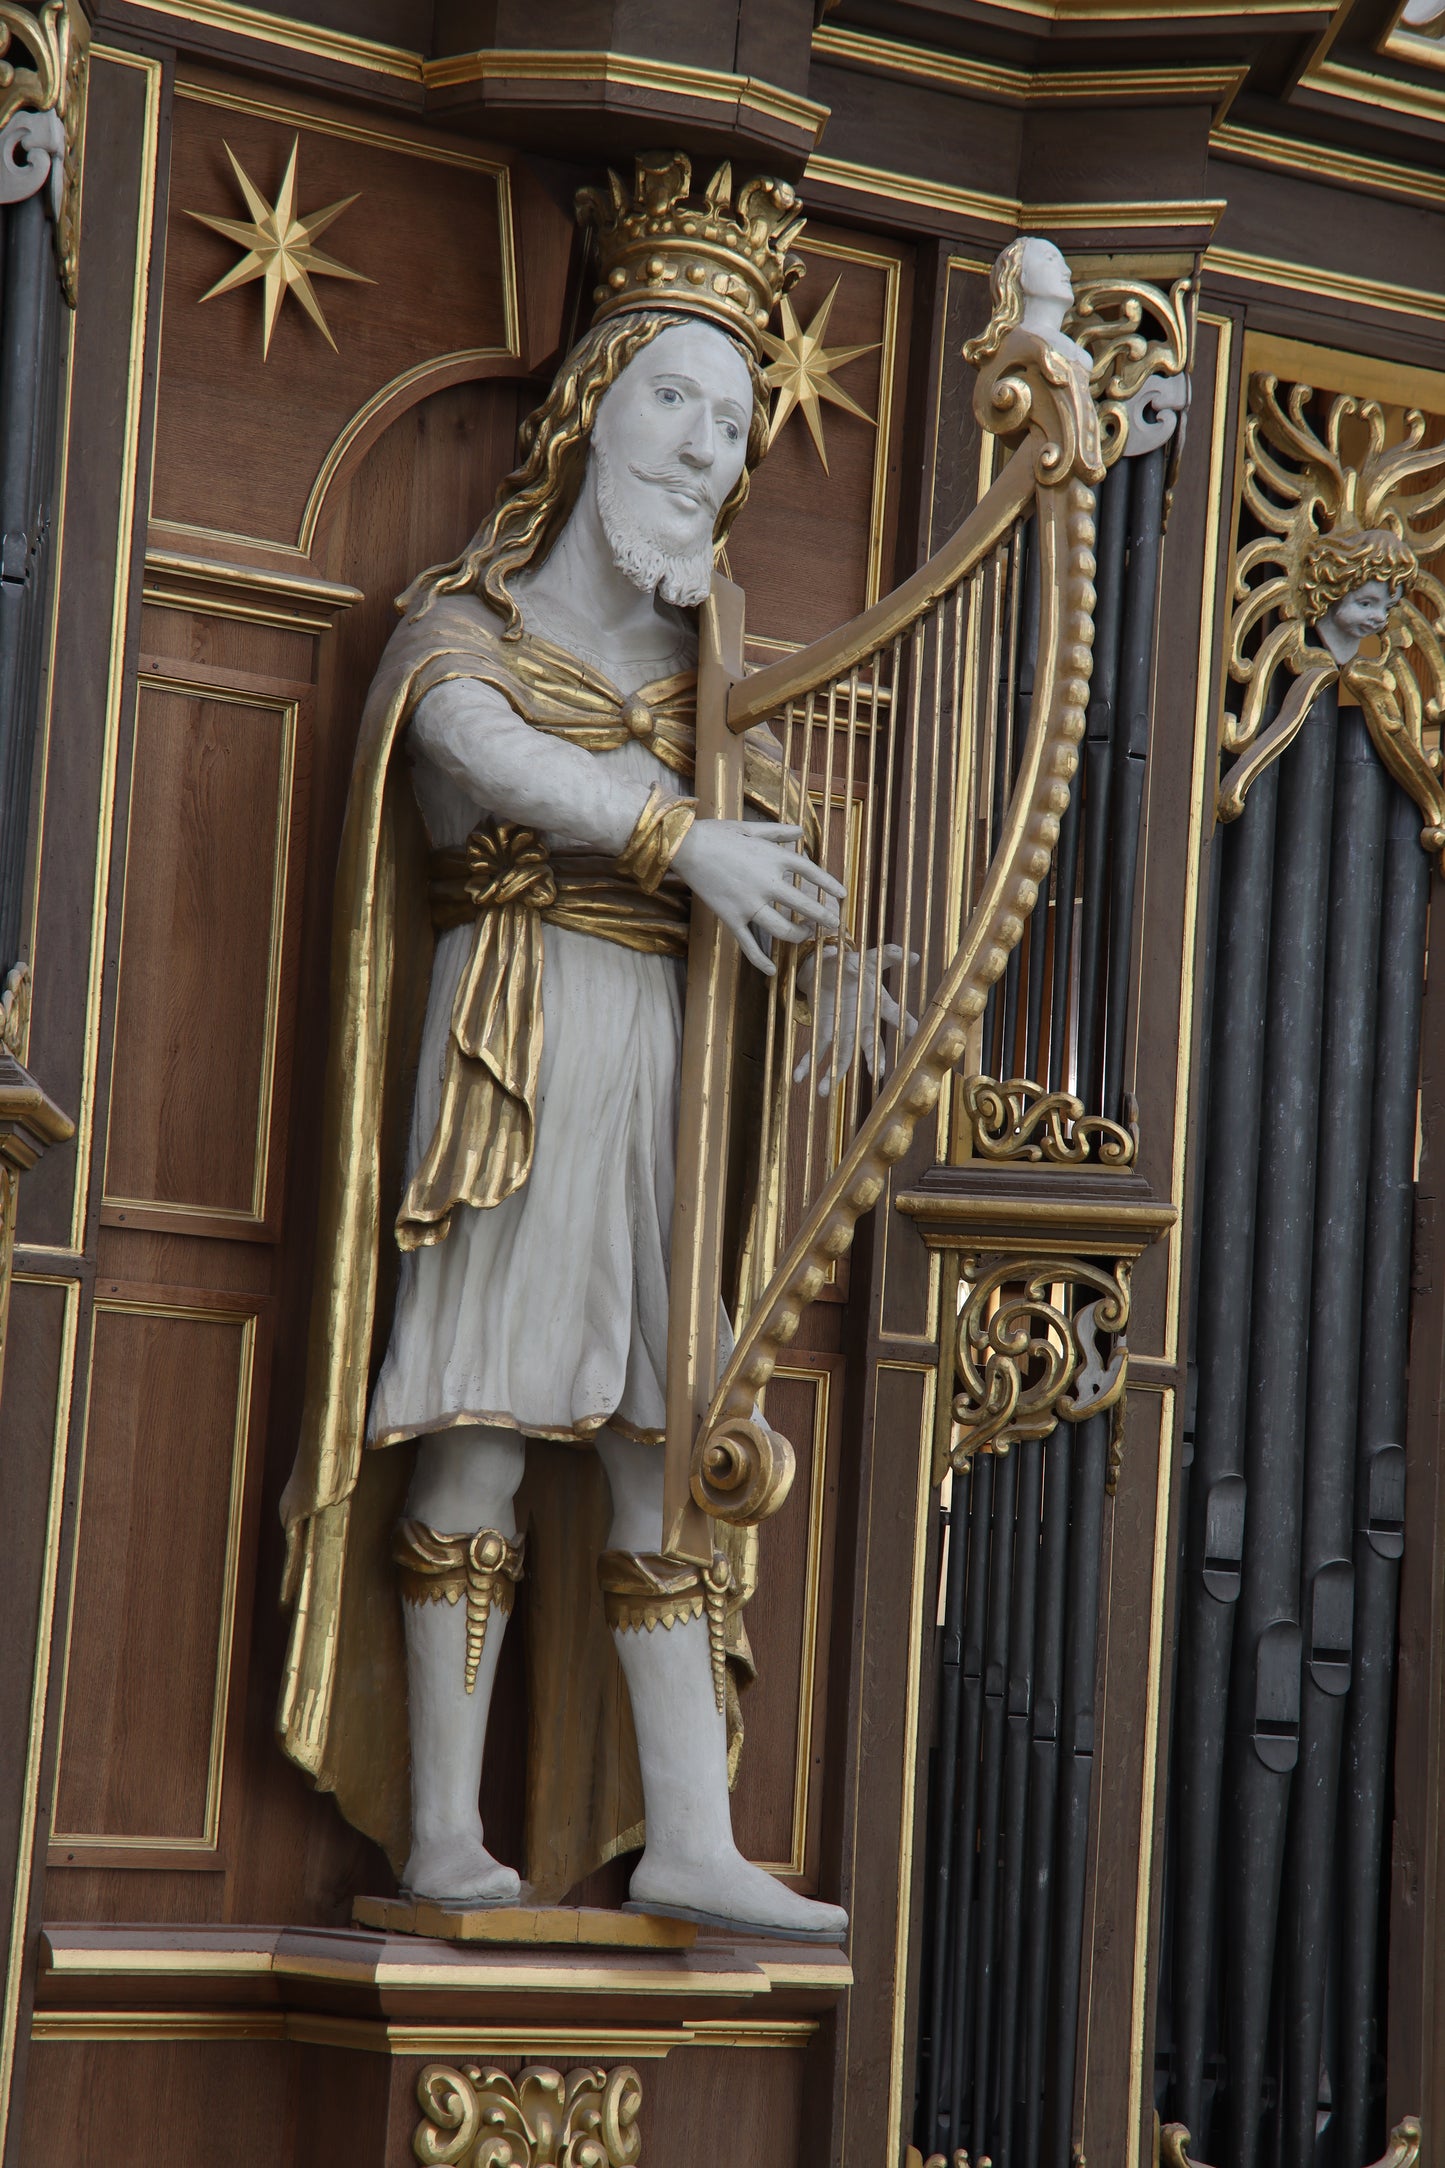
504 880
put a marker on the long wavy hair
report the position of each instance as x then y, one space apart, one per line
1006 294
536 500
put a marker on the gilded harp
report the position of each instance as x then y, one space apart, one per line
944 825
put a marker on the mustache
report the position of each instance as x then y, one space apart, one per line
679 478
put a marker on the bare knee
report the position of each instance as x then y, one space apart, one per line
466 1479
634 1472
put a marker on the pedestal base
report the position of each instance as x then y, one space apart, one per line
558 1926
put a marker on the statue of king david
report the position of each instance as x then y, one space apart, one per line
489 1330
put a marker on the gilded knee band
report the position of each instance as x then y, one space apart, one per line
645 1590
484 1568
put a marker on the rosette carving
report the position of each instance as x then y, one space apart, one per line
478 2117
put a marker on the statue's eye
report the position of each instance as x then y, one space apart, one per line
730 431
669 395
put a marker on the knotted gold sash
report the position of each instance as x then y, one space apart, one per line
504 879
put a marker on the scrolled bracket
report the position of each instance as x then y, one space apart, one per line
1028 1353
1018 1120
478 2117
41 112
1133 332
742 1471
1029 384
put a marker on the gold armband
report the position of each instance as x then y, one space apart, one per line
656 840
645 1590
484 1568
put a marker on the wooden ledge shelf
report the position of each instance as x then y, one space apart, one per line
407 1995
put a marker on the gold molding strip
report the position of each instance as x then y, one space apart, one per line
390 1963
290 600
1324 162
954 71
977 1219
711 86
1419 48
1175 12
378 2036
348 130
117 692
1336 286
1334 79
16 1945
1012 212
259 26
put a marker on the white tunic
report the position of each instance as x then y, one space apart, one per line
547 1313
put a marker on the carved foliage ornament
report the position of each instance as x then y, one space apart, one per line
478 2117
1028 1352
41 109
1020 1120
1403 2151
1333 524
1133 331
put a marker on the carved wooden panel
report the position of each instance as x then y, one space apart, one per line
814 544
430 233
198 1040
154 1589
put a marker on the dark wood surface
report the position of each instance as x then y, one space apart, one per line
190 956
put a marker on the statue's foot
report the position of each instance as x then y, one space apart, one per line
729 1891
459 1872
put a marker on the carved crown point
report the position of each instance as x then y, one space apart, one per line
668 246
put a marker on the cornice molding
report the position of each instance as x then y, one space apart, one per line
1340 84
960 72
713 88
1324 162
1069 14
1341 287
1012 212
671 78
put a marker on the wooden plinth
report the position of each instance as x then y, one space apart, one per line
558 1926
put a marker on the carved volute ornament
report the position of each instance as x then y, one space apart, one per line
42 113
1341 559
475 2117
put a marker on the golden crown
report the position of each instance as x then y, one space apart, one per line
663 247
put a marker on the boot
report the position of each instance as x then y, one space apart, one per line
691 1869
455 1607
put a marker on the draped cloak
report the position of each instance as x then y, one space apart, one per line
342 1714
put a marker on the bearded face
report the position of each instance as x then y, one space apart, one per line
668 448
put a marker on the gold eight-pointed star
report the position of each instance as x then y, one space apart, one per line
801 371
279 248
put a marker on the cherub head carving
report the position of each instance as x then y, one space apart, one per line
1341 546
1349 582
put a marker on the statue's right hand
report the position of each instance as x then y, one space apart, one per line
749 874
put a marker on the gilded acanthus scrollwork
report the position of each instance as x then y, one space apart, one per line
1039 1341
1019 1120
41 109
1133 332
1341 555
477 2117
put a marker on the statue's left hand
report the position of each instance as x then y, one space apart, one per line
856 1008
